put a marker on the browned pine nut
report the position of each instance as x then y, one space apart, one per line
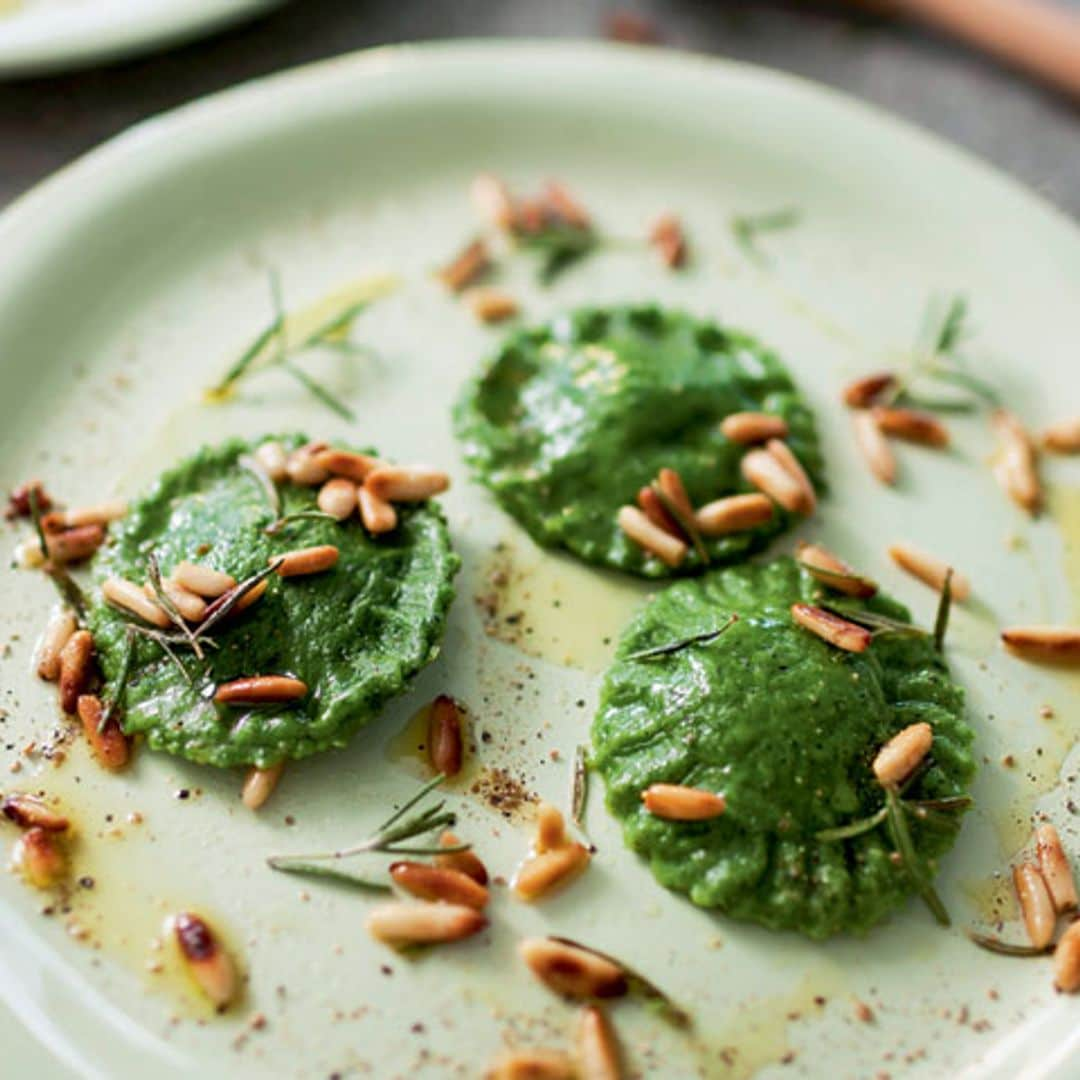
550 828
406 483
677 802
667 548
564 205
446 746
541 875
30 812
874 447
668 240
490 305
74 545
1053 644
310 560
834 572
57 633
1055 868
1067 961
753 427
653 508
206 960
532 1064
346 464
76 667
572 971
377 514
1016 469
900 756
108 744
404 924
930 570
259 784
1063 438
468 862
1035 904
912 425
337 497
130 597
260 690
273 460
202 580
767 474
439 883
598 1049
736 513
39 857
493 201
465 267
673 490
98 514
836 631
192 608
783 454
304 468
865 391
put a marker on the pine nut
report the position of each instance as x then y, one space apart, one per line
260 690
673 489
76 660
493 201
98 514
249 598
676 802
377 514
206 960
1063 438
1054 644
865 391
1016 469
911 424
446 749
259 784
109 745
669 241
202 580
572 971
469 264
753 427
532 1065
930 570
74 545
19 500
653 508
192 608
303 467
467 862
736 513
1055 869
490 305
834 572
563 205
311 560
1035 904
273 460
337 497
407 483
1067 961
403 924
30 812
128 595
598 1049
439 883
541 875
347 465
901 755
767 474
874 447
783 454
28 554
550 829
836 631
651 537
38 856
57 633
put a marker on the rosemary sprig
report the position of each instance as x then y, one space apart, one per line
560 248
684 521
262 477
234 597
317 390
746 228
941 620
905 846
1005 948
704 638
121 679
299 515
253 351
153 572
65 584
873 620
579 786
854 828
920 809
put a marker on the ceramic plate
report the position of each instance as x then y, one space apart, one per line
38 37
130 280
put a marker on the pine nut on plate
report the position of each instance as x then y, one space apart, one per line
543 874
30 812
206 959
346 464
490 305
273 459
913 425
930 570
1050 644
1067 961
260 690
1055 868
533 1064
97 514
753 427
831 570
202 580
653 508
427 882
191 606
259 784
312 560
446 746
58 631
864 392
109 745
573 971
787 459
550 828
1016 468
337 497
492 200
832 628
637 526
467 861
377 514
75 545
1040 918
874 447
407 483
420 923
76 667
40 858
676 802
735 513
901 755
1063 437
130 597
467 265
598 1049
771 477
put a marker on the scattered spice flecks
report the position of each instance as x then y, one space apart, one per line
503 792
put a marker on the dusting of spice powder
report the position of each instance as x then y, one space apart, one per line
502 792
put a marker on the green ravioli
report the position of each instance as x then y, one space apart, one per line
786 727
355 634
569 420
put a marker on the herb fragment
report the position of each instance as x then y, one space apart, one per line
705 638
855 828
901 835
747 227
1005 948
941 621
232 598
872 620
559 246
579 787
253 466
683 520
170 609
121 679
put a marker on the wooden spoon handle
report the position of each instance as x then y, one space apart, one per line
1034 36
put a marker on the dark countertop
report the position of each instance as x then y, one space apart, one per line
1001 117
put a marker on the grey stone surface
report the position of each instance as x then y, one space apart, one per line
1000 116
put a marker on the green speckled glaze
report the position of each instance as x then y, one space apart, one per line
569 420
786 727
354 634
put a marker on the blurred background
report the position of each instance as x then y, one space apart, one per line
1030 131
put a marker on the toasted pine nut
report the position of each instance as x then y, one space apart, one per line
377 514
465 267
304 468
346 464
598 1049
337 497
260 690
206 959
98 514
677 802
911 424
403 924
76 665
834 572
767 474
407 483
1055 869
900 756
202 580
30 812
550 828
273 460
653 507
753 427
311 560
128 595
572 971
865 391
249 598
446 748
930 570
1051 643
783 454
836 631
439 883
669 241
1035 904
468 862
192 608
651 537
1016 469
18 505
532 1064
1067 961
558 199
259 784
490 305
1063 438
875 448
541 875
736 513
493 201
58 631
673 490
109 745
74 545
38 856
